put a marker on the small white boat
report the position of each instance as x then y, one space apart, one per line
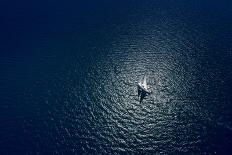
143 89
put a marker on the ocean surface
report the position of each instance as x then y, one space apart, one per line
69 69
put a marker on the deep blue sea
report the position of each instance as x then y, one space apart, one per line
69 69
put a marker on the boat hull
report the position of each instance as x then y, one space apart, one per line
143 91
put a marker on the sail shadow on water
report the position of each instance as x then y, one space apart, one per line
143 89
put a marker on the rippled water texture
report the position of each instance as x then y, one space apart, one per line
74 91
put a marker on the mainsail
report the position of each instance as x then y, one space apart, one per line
145 82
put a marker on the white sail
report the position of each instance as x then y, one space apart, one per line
145 82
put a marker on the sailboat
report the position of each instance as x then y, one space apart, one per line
143 88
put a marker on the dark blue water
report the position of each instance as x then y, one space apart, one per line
68 74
